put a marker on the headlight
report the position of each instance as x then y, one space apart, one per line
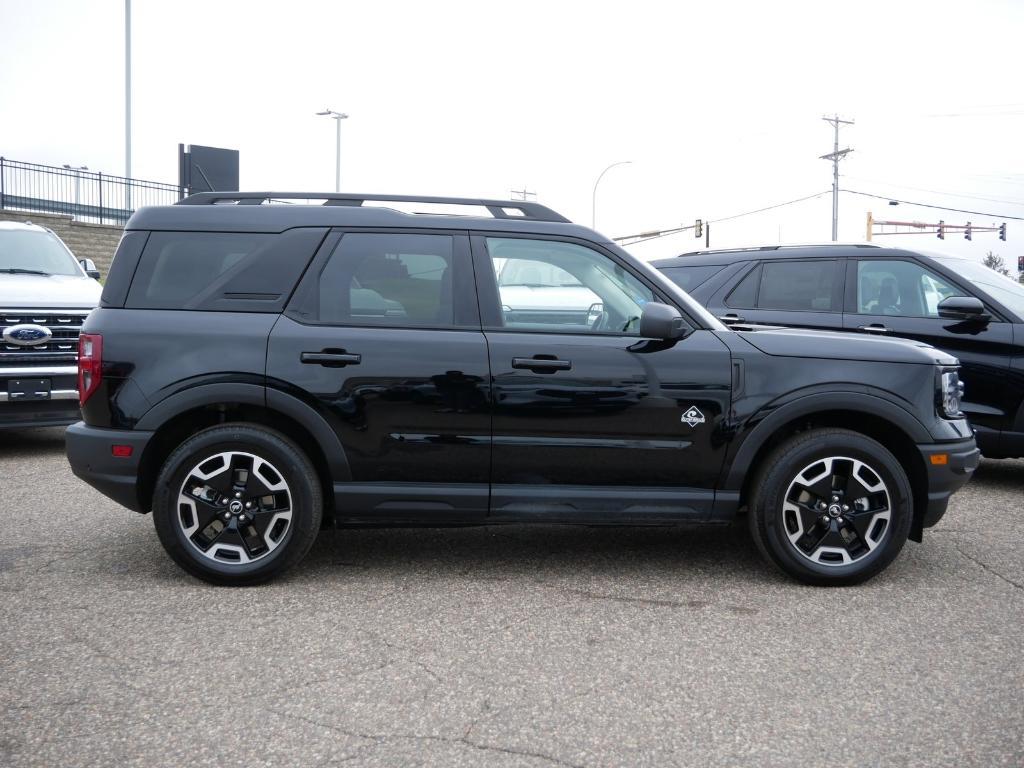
951 392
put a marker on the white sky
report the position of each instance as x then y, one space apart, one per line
717 105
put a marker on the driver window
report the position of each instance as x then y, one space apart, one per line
900 288
545 285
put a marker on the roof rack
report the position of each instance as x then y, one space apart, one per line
499 209
782 248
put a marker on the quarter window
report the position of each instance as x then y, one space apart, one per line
560 287
900 288
798 285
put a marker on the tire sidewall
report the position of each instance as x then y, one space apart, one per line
776 482
267 444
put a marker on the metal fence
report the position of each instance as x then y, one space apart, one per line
87 195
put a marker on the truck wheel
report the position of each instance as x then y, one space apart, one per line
831 507
237 504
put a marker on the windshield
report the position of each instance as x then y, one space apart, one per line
1005 290
33 252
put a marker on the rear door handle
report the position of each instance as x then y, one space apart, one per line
541 364
331 358
874 327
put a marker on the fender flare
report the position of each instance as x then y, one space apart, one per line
260 396
777 415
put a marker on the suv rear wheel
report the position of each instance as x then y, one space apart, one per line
237 504
831 507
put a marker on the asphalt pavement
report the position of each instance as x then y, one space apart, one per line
510 646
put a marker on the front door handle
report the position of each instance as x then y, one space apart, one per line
874 328
331 358
732 317
541 364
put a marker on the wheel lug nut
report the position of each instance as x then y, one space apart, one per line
238 494
845 508
835 498
248 505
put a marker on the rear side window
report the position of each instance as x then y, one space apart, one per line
798 285
221 271
689 278
801 286
395 279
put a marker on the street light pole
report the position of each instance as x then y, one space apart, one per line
593 198
78 178
337 117
128 89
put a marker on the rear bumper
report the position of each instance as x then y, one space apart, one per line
945 479
89 453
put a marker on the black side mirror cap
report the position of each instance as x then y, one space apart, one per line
660 321
963 308
90 268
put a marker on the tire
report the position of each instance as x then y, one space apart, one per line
200 512
867 513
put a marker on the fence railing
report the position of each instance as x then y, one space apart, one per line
87 195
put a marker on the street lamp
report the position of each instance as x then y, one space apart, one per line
78 177
593 201
337 117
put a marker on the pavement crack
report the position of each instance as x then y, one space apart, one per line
990 569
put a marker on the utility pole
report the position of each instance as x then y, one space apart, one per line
522 194
835 156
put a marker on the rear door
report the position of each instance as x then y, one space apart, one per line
900 297
805 293
383 338
591 421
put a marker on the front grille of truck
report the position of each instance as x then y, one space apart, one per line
62 347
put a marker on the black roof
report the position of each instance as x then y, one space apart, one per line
769 252
274 212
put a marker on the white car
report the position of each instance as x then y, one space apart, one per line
45 295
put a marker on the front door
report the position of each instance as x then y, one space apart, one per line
384 338
900 297
590 420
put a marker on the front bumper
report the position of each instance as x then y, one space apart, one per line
945 476
60 406
89 451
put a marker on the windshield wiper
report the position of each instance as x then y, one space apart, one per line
19 271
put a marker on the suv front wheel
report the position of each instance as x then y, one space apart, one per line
237 504
831 507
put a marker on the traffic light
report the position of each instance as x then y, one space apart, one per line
942 230
967 231
698 229
1020 263
1002 234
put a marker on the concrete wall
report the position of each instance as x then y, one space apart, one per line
87 241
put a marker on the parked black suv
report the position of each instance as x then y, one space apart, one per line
256 367
957 305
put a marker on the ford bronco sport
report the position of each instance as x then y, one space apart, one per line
255 370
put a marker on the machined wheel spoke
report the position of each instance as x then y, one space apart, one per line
235 507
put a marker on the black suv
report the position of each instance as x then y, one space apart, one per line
256 369
957 305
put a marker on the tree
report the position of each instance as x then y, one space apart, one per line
995 261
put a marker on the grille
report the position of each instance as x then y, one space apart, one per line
62 347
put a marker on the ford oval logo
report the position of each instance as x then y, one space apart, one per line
27 335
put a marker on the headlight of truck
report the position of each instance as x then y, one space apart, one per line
951 392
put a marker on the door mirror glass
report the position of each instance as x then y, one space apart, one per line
962 308
660 321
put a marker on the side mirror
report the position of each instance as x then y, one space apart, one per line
963 308
660 321
90 268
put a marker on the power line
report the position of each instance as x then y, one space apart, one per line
937 191
936 207
645 236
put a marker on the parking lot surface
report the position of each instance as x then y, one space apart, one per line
512 646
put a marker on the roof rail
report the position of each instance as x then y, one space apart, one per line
782 248
499 209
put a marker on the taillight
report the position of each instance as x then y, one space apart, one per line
90 365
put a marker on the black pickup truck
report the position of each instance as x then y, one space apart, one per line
257 370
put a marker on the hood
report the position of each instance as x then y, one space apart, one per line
792 342
48 292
